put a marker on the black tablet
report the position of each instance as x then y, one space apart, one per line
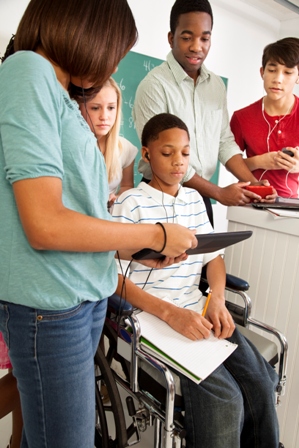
284 203
206 243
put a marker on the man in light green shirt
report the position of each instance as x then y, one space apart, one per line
184 87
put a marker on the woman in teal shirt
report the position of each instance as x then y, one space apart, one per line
57 241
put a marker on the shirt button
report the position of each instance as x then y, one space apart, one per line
279 132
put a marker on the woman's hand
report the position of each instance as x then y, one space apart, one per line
178 239
172 245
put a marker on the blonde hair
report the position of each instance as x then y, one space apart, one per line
113 144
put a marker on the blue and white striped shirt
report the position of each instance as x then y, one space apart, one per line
179 282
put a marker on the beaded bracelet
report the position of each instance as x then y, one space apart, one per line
165 237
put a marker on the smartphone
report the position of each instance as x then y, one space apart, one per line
261 190
288 152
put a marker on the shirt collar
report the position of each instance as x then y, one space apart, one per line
164 197
180 74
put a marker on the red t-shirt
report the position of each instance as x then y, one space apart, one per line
251 131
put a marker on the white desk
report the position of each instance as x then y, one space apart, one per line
269 261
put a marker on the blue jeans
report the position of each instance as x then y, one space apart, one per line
52 356
235 406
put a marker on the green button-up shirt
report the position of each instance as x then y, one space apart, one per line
201 105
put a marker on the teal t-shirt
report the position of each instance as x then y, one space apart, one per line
42 133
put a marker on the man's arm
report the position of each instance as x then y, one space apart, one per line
237 166
233 194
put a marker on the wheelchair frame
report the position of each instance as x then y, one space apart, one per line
167 421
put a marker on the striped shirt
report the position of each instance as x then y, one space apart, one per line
179 282
202 106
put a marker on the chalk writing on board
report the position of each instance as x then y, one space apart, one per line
148 65
121 85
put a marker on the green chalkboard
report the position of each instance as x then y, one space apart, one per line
131 70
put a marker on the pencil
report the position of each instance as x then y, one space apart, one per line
206 304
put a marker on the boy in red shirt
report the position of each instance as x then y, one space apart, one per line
271 124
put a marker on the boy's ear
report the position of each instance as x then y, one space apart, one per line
170 39
145 154
262 72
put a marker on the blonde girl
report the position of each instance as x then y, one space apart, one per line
101 108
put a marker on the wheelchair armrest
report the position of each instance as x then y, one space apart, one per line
120 306
236 283
238 313
232 282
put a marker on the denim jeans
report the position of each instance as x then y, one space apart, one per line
235 406
52 356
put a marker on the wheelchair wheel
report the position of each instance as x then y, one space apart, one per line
110 429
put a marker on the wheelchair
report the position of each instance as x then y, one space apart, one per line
152 390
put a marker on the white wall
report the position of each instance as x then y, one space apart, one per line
10 13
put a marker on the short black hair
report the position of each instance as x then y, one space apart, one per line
159 123
185 6
284 51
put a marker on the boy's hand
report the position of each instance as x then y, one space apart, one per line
218 314
287 162
188 323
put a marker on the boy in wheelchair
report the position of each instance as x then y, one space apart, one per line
234 406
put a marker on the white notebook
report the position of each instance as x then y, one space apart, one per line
195 359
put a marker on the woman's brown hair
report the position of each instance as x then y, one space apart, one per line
87 39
